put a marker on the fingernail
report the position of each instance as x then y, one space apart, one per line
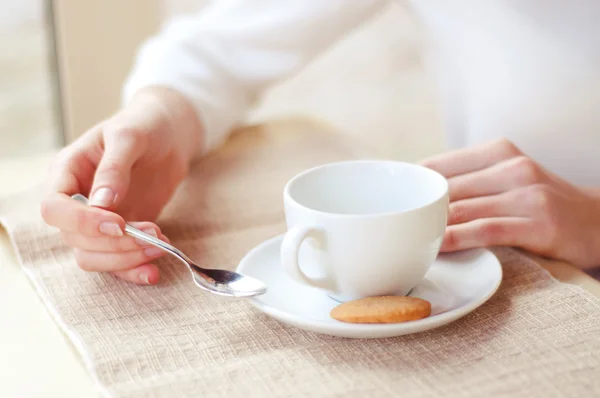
144 278
104 197
149 231
110 228
152 251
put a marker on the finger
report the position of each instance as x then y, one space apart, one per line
146 274
501 205
471 159
72 170
501 231
110 262
62 179
501 177
68 215
111 182
109 243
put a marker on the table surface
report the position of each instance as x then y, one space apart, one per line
36 359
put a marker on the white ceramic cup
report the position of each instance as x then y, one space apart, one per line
364 228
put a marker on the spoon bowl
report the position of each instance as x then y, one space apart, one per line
217 281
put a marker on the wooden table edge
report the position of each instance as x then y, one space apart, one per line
568 273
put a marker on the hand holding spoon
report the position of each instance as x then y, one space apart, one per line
222 282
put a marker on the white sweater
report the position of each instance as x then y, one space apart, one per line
527 70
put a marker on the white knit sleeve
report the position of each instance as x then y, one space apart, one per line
225 56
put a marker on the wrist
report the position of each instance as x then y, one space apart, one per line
177 118
594 194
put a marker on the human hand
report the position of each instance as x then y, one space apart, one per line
129 166
501 197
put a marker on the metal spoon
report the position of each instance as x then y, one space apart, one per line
222 282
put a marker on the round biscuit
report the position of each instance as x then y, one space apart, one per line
382 309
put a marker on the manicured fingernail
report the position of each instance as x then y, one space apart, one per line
144 278
149 231
152 251
110 228
104 197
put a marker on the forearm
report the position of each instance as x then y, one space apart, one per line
223 58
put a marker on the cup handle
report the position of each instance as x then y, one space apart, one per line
290 249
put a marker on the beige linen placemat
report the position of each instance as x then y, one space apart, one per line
535 338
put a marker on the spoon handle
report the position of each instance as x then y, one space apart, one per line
136 233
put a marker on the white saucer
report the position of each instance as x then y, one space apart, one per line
455 285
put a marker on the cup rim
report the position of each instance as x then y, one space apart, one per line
290 198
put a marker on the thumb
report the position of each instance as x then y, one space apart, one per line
113 174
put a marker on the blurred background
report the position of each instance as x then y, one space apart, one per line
62 63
